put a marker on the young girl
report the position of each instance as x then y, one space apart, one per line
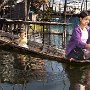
79 45
22 41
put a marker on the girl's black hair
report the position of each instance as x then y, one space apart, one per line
83 14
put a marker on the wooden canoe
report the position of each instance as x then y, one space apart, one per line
40 50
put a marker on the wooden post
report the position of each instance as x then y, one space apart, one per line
64 26
43 25
26 10
82 5
59 7
26 16
86 4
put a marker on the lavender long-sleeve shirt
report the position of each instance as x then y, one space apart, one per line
75 39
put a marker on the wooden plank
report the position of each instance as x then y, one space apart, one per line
8 21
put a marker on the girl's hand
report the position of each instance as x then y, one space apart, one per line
87 45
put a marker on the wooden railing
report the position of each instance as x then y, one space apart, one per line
13 25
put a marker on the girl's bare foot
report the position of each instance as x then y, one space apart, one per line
72 59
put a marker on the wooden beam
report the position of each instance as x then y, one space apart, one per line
26 10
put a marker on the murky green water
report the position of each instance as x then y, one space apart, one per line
26 72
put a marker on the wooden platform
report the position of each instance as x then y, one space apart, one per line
40 50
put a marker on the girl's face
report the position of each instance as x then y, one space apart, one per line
23 34
84 21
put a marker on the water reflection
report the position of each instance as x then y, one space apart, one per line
21 61
79 76
84 83
23 72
